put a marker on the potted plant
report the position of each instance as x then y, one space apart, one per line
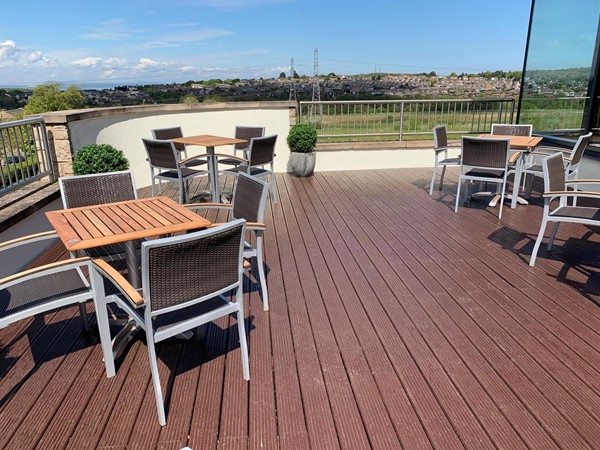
301 140
99 158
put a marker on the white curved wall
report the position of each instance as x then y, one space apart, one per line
125 131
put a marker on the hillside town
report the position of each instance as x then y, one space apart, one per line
332 87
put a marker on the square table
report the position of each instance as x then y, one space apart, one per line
210 142
524 144
127 221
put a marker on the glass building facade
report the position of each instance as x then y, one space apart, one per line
560 89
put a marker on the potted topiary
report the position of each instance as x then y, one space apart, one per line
99 158
302 139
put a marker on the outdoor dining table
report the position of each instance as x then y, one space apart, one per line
523 145
93 226
210 142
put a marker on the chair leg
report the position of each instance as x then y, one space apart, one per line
502 199
552 235
433 178
457 195
103 326
261 270
538 241
442 177
160 407
242 333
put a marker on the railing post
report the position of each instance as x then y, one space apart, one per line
401 121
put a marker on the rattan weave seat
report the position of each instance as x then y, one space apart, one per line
30 292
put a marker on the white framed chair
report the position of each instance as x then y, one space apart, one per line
165 165
185 283
261 153
440 147
165 134
96 189
486 160
571 159
555 189
246 133
248 203
511 130
29 292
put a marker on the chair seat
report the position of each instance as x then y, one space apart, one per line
230 161
449 161
51 288
577 212
173 175
485 173
254 171
168 320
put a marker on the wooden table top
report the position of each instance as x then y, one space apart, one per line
92 226
207 140
516 141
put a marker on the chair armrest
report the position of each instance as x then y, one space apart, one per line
582 181
119 281
193 158
589 194
223 155
77 262
516 155
255 226
28 239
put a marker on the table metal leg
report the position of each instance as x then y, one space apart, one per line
214 175
133 264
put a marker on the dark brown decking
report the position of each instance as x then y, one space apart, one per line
394 323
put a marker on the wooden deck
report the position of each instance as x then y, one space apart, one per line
394 323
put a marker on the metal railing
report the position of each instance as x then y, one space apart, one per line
24 153
339 121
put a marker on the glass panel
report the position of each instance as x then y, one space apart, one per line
558 66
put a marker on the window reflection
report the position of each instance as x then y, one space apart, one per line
558 68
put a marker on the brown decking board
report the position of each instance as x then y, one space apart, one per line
394 323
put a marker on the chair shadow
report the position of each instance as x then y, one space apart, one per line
46 342
217 343
575 254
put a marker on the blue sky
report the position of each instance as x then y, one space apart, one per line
161 41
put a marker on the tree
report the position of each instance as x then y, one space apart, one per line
189 98
49 97
282 76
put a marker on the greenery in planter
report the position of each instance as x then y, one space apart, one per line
99 158
302 138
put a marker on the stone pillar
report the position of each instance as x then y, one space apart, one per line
61 143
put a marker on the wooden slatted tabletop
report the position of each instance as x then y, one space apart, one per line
93 226
208 140
516 141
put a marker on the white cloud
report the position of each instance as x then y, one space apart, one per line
187 69
87 62
146 63
7 49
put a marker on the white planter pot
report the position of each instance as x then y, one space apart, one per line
302 164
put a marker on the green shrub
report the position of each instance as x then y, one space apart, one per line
99 158
302 138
